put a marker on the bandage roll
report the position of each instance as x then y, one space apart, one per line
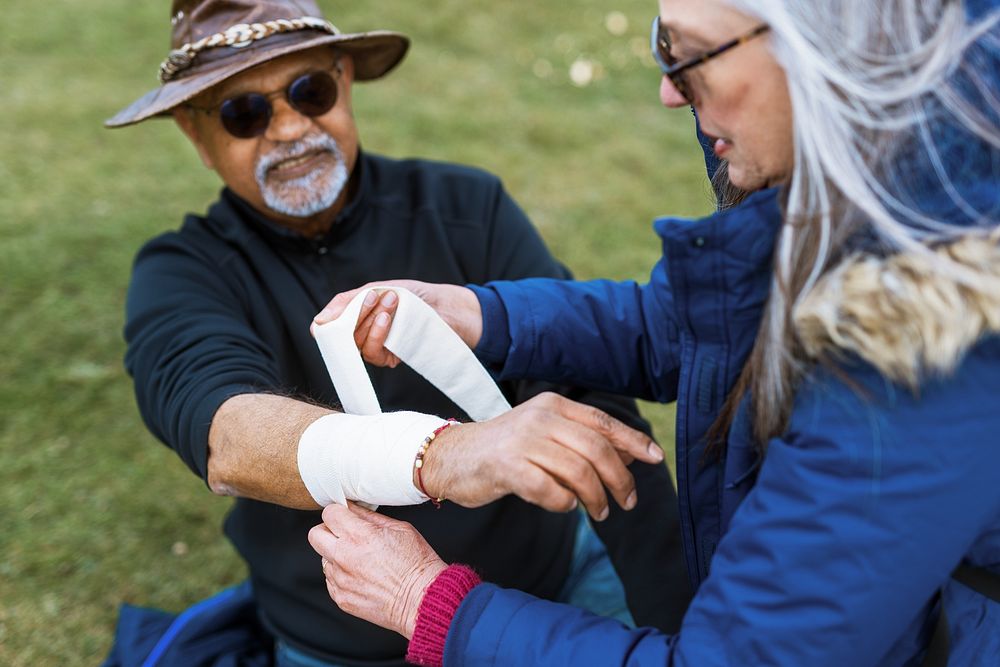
365 455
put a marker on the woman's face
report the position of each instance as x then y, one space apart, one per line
741 96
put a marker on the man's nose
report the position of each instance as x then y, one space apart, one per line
669 95
287 124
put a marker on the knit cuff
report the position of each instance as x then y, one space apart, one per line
440 603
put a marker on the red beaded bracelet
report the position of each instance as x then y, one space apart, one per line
418 463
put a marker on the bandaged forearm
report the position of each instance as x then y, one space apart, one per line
368 456
365 458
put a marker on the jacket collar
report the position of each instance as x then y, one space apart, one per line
720 266
909 314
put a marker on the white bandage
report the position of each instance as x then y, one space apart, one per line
425 343
368 456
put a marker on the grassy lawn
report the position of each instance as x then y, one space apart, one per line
93 511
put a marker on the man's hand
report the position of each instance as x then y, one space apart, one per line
550 451
376 568
456 305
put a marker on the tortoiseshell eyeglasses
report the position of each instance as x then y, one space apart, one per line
674 69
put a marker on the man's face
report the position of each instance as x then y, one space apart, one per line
296 172
741 96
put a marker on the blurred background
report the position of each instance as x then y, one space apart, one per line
558 98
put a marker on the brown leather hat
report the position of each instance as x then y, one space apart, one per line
211 40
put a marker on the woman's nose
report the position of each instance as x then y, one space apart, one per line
669 95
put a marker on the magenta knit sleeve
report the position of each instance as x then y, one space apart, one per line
441 601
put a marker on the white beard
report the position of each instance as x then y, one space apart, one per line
307 195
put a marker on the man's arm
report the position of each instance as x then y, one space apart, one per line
202 375
253 446
204 383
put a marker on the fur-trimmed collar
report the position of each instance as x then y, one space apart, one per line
910 315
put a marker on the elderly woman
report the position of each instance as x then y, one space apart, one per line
831 343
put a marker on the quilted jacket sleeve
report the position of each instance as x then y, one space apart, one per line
858 517
615 336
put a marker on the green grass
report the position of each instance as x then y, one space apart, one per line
93 511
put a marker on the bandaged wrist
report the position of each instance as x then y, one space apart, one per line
365 458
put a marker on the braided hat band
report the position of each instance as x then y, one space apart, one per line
257 32
237 37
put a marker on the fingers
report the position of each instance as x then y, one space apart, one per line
322 541
623 438
603 467
576 474
374 320
374 518
370 336
365 317
574 447
538 487
337 305
344 523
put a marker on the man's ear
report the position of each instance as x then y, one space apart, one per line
345 68
184 117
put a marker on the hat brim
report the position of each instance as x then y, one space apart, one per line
375 54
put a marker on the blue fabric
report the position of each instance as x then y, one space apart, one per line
845 533
220 631
495 341
712 163
592 583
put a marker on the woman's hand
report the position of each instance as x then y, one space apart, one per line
376 568
456 305
549 451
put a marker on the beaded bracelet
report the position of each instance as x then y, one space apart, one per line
418 463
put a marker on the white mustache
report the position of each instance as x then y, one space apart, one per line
317 142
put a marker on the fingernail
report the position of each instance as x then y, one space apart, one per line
371 298
382 320
389 299
604 514
631 500
655 452
324 316
574 505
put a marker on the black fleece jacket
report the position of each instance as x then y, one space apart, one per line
223 306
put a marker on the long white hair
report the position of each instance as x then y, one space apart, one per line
896 114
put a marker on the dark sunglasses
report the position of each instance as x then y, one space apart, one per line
676 70
248 115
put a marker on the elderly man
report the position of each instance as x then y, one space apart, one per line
226 372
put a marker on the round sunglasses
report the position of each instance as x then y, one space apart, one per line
675 70
247 115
